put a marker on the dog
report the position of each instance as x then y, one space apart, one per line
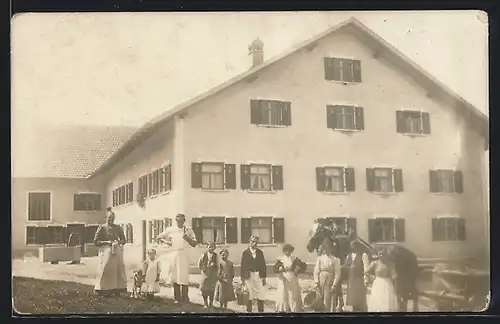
139 278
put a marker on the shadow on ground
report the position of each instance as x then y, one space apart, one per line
35 296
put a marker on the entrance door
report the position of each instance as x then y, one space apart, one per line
78 231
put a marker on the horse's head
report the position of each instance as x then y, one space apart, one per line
319 232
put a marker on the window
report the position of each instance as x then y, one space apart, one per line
344 224
270 112
165 175
30 235
40 235
448 229
156 227
384 180
156 182
221 230
345 117
56 234
386 230
268 229
261 177
128 232
445 181
39 206
143 186
89 234
335 179
413 122
213 176
123 194
341 69
87 202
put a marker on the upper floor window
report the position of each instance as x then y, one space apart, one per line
386 229
39 205
157 182
448 229
261 177
384 180
270 112
445 181
345 117
413 122
344 224
213 176
335 179
342 69
87 202
123 194
268 229
221 230
143 186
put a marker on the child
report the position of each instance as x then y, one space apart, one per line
152 270
327 277
208 266
224 291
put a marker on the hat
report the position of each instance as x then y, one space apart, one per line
313 300
288 248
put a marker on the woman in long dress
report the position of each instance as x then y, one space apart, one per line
288 290
327 277
383 296
110 239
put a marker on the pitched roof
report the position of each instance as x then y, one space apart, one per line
434 87
66 151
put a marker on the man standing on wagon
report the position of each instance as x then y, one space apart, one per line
179 238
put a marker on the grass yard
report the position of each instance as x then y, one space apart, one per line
35 296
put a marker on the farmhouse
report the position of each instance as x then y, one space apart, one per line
342 126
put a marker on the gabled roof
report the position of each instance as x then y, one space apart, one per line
434 87
67 151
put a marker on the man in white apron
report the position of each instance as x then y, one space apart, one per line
179 238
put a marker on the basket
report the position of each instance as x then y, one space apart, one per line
242 297
313 301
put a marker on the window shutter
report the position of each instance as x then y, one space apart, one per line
346 70
231 230
400 122
359 118
114 198
255 112
372 237
76 202
65 235
356 70
166 222
398 180
433 181
168 177
399 224
246 230
197 228
230 176
286 113
458 181
150 223
352 225
435 230
331 117
370 179
245 176
196 175
336 69
279 230
329 68
426 123
131 233
461 229
350 181
150 183
277 171
320 179
40 235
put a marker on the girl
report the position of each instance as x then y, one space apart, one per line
288 267
224 291
382 297
327 277
152 270
208 265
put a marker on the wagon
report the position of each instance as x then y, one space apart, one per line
459 291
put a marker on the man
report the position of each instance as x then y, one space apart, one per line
253 274
179 238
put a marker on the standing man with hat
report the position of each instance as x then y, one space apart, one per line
179 238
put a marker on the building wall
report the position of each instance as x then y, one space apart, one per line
219 129
62 191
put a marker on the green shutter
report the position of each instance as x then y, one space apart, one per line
370 179
400 229
350 180
329 68
197 227
398 180
461 230
279 230
331 121
458 181
231 230
356 70
255 112
196 175
359 118
246 230
245 176
230 176
277 174
426 123
286 113
433 181
400 122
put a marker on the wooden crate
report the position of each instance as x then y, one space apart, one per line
55 254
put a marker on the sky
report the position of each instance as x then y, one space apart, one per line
127 68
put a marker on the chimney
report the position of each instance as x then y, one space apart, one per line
256 49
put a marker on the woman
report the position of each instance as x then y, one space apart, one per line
383 296
327 277
356 263
288 291
110 239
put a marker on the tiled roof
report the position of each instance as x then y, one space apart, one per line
66 151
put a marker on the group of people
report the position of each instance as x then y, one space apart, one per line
217 272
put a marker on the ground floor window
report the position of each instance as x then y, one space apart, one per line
89 234
386 229
39 235
344 224
218 229
157 226
128 232
268 229
448 229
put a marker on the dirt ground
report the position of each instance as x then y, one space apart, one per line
86 272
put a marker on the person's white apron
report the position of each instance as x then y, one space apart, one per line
177 258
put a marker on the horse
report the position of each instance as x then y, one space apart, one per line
405 261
